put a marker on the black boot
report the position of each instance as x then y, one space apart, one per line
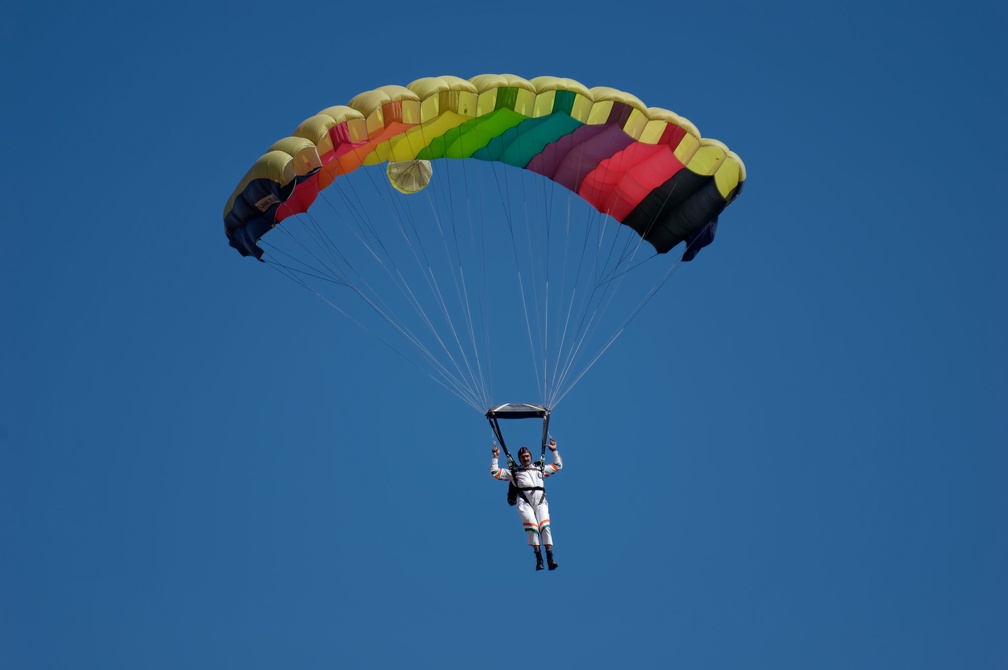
539 563
549 560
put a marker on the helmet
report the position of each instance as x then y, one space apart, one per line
524 450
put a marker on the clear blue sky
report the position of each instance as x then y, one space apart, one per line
794 458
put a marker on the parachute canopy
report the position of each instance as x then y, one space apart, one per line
646 167
547 230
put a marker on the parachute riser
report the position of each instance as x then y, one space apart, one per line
528 411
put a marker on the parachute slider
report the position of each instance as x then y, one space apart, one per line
517 411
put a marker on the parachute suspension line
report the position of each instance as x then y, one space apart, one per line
476 382
354 204
540 303
402 207
586 328
584 298
503 191
644 301
640 306
574 292
556 342
333 266
294 276
547 189
583 307
454 259
590 312
299 267
480 286
426 268
456 263
380 254
534 322
531 324
587 315
485 385
558 311
484 288
378 251
547 387
588 304
562 329
630 248
549 382
613 267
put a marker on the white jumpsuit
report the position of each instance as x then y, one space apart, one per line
532 506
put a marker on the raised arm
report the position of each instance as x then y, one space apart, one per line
557 463
495 471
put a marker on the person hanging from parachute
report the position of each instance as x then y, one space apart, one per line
644 168
526 489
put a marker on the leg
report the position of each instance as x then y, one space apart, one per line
542 516
531 526
529 522
543 523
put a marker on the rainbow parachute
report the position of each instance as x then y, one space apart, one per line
645 167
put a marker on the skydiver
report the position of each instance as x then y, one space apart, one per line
532 506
